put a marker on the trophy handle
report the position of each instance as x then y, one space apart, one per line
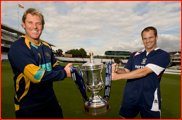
77 66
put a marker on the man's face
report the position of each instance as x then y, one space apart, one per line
149 40
33 27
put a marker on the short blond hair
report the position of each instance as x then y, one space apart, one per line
33 11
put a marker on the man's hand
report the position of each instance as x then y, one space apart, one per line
115 76
67 69
115 68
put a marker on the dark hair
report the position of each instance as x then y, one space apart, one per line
148 29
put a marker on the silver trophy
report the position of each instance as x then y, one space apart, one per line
95 105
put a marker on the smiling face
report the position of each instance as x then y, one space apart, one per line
33 27
149 40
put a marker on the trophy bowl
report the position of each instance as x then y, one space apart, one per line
95 105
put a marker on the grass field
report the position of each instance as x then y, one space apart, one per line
71 100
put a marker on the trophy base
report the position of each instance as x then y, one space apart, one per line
95 109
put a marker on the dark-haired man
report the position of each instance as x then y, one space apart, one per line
143 72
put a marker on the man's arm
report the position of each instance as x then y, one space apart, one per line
124 70
56 66
116 69
139 73
25 63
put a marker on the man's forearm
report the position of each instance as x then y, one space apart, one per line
139 73
126 74
121 71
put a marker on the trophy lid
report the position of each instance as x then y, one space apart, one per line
92 65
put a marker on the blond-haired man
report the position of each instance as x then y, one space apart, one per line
35 69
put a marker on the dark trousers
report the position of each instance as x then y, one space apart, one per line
50 110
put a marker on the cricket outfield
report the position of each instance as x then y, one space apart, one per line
71 100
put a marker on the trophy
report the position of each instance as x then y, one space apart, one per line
95 105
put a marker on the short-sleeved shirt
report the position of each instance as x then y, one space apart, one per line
145 91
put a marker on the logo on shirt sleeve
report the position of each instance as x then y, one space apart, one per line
46 66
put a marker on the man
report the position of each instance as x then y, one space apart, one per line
35 68
143 70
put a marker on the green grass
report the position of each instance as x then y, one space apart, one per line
71 100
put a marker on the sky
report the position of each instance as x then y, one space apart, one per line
100 26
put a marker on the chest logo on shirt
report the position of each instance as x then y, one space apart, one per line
47 54
144 61
39 55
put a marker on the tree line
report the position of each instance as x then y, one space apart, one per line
75 52
80 53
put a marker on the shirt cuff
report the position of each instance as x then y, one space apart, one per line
157 69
